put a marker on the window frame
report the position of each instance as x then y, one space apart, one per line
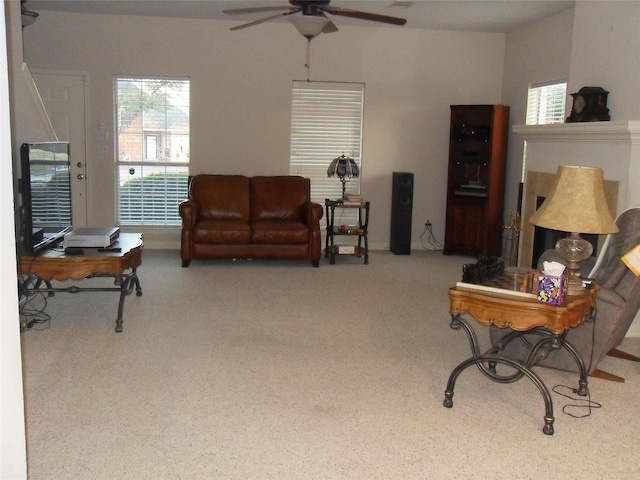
148 189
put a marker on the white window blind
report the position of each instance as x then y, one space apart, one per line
326 122
546 103
152 141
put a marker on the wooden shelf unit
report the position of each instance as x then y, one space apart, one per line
476 178
359 232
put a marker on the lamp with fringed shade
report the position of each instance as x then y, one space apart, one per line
345 168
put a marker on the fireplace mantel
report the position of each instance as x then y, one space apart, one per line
612 146
610 132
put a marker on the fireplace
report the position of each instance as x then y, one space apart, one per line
613 146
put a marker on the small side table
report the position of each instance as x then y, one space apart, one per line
524 316
360 231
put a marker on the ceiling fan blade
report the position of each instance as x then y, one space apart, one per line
374 17
243 11
266 19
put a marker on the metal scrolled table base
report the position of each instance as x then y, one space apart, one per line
486 363
125 284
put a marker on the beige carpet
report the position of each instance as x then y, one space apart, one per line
277 370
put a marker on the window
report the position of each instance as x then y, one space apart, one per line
152 145
326 122
546 102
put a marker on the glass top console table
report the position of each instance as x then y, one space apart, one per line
548 323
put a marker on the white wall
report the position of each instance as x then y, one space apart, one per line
595 44
241 84
241 88
606 39
540 52
13 456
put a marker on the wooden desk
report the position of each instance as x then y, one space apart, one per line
522 315
54 264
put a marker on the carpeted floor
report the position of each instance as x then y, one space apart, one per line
277 370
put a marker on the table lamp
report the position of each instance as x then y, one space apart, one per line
345 168
577 204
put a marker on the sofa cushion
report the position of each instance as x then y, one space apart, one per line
279 198
221 197
279 233
221 232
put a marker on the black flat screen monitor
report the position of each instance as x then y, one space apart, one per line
46 194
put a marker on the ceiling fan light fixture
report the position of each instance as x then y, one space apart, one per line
309 26
28 17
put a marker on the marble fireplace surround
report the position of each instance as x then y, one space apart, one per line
612 146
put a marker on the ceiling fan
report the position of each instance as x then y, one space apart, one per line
28 17
313 20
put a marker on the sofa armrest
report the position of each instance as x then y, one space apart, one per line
188 211
312 213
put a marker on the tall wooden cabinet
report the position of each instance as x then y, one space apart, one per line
475 188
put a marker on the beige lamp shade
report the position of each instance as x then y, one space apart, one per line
577 203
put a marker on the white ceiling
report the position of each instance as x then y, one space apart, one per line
467 15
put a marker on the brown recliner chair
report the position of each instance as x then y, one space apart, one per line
617 304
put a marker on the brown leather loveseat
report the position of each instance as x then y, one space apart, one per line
234 216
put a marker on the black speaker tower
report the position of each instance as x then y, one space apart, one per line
401 211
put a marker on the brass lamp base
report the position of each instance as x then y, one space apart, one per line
574 249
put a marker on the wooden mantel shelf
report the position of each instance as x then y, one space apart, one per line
617 132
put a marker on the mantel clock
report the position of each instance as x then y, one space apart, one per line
589 105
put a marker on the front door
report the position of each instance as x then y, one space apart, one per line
64 96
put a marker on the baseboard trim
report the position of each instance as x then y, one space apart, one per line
158 238
634 329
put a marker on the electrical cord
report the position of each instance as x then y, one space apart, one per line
581 403
434 244
32 312
33 302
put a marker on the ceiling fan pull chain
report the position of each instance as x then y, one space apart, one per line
308 64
